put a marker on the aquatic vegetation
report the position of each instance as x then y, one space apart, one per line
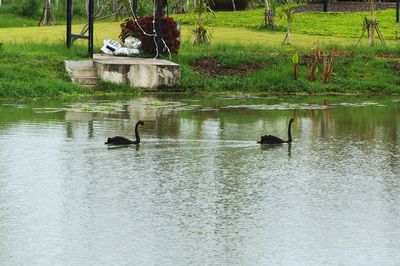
48 110
281 106
98 107
159 104
301 106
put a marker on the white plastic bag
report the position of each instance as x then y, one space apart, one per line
132 42
110 46
126 51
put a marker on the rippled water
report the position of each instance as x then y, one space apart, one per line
199 190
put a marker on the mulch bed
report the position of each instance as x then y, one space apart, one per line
212 66
346 7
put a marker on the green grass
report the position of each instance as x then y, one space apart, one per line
314 23
31 59
361 72
233 27
220 35
37 70
11 20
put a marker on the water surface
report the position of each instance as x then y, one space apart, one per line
199 190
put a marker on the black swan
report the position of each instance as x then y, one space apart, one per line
269 139
118 140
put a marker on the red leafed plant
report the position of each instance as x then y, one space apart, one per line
170 33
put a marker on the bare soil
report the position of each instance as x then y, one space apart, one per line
212 66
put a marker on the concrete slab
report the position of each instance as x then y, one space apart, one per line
138 72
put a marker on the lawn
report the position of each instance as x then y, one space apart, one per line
31 59
110 30
314 23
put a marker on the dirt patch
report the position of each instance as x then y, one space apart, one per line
386 55
395 65
345 7
212 66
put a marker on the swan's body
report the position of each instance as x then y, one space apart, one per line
269 139
119 140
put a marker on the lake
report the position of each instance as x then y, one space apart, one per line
199 190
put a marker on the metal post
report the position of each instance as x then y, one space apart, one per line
397 19
90 22
325 5
69 23
71 37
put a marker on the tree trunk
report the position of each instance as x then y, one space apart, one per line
371 34
371 37
233 5
47 17
269 15
269 19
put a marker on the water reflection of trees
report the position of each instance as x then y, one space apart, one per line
355 124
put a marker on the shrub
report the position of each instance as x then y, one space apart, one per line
170 33
29 8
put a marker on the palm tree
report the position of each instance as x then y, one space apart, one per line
287 12
201 8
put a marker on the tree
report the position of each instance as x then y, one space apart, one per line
201 35
47 17
287 11
269 14
371 27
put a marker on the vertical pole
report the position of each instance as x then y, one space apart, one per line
135 8
69 22
372 25
325 5
397 19
158 26
90 22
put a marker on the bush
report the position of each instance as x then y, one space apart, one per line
29 8
170 33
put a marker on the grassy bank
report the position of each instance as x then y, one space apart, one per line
37 70
355 71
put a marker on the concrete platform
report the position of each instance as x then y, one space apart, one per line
137 72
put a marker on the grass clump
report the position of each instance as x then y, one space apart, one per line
11 20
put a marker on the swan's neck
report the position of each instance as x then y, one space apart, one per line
290 131
137 132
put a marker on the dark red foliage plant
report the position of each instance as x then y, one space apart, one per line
170 33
